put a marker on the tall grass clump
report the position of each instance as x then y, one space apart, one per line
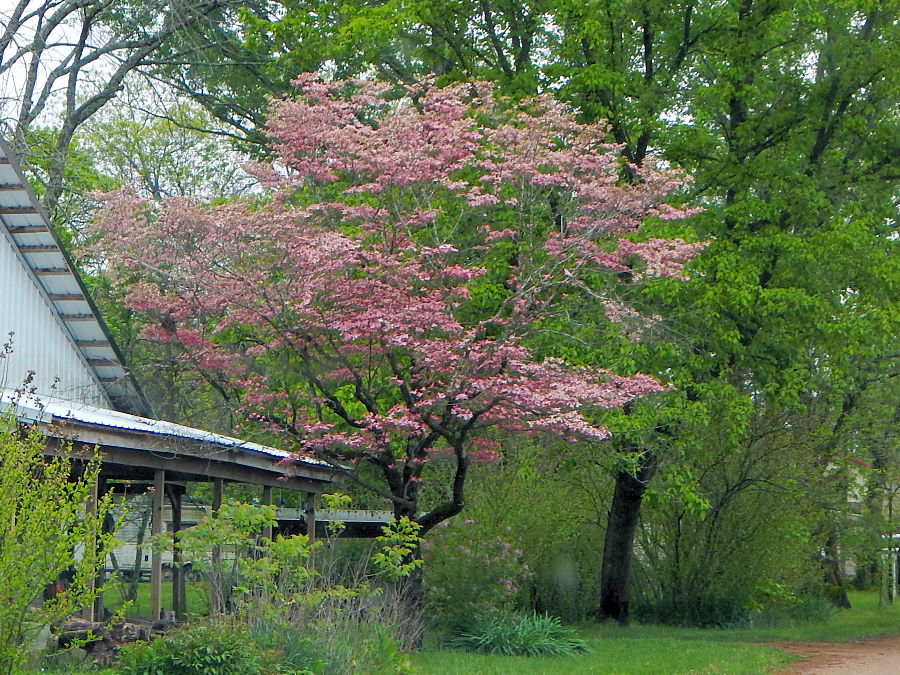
520 634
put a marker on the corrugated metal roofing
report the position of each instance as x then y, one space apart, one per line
47 409
28 228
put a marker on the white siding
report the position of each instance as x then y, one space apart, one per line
40 342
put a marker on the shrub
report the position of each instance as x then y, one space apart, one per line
520 634
472 571
813 607
705 611
338 646
219 648
46 532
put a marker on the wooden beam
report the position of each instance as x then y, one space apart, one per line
107 528
218 494
11 187
216 592
194 469
67 297
78 317
91 510
51 271
204 460
179 595
18 211
93 343
156 528
28 229
103 362
311 516
38 248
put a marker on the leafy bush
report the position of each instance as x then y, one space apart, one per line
219 648
709 610
519 634
813 608
769 606
472 571
338 647
525 549
44 524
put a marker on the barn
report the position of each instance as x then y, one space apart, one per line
60 369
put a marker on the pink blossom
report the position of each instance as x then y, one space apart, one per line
342 319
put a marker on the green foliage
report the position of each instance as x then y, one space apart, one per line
520 635
397 558
81 176
290 585
167 154
526 546
791 610
718 541
45 532
222 547
338 645
471 571
212 648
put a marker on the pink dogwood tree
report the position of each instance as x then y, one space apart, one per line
376 306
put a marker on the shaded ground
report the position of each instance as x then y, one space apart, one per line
872 656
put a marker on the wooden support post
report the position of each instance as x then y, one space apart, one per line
179 594
216 592
156 528
311 516
218 492
107 527
90 508
267 501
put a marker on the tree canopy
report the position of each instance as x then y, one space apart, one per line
376 309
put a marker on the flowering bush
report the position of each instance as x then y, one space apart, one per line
472 572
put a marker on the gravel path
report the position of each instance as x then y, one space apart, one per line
875 656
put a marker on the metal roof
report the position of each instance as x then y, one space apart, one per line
66 416
27 225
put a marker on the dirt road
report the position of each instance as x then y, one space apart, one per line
875 656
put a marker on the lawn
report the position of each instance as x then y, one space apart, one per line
140 608
649 656
669 649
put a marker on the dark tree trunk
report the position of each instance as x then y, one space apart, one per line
619 543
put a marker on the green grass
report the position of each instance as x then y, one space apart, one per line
140 608
649 656
865 619
670 649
